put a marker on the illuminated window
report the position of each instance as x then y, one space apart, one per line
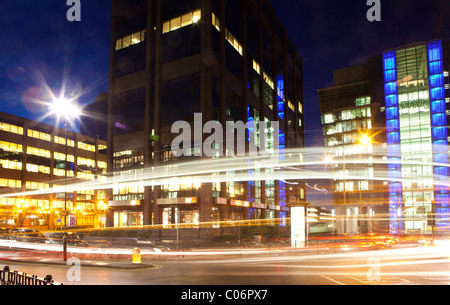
62 157
228 36
38 152
130 40
33 168
85 176
181 21
215 22
39 135
61 173
62 141
37 185
10 183
7 164
11 128
86 146
101 164
87 162
10 147
291 106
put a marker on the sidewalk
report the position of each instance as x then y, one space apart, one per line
83 263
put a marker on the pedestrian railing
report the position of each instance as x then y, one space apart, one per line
8 277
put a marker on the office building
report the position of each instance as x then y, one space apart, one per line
33 159
409 87
353 133
228 60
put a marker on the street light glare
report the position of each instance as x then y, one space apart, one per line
365 140
64 108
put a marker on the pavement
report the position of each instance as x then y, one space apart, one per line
119 264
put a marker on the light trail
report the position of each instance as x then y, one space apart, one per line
295 164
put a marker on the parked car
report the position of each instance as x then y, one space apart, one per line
27 235
72 239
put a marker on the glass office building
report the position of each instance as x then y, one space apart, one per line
230 60
416 99
407 89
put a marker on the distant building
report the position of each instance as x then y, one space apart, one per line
350 111
33 158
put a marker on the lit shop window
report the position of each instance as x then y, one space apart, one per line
62 157
11 128
130 40
181 21
10 183
86 146
10 164
38 152
228 36
62 141
33 168
39 135
10 147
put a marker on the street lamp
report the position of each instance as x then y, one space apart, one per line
66 109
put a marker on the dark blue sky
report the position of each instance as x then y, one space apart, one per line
38 43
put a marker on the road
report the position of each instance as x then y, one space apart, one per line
405 266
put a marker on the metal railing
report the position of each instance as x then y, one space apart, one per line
8 277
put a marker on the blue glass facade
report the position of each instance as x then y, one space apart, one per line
439 133
393 140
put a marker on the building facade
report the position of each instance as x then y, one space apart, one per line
354 133
32 159
408 88
416 103
227 60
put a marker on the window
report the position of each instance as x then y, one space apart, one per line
39 135
10 183
62 157
62 141
11 128
85 146
38 152
10 147
181 21
329 118
130 40
38 168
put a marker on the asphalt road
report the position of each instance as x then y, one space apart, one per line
410 266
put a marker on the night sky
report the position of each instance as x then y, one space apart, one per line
39 48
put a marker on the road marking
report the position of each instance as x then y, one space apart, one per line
339 283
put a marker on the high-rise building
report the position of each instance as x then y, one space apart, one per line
228 60
407 88
33 159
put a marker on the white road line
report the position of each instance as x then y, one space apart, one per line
337 282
